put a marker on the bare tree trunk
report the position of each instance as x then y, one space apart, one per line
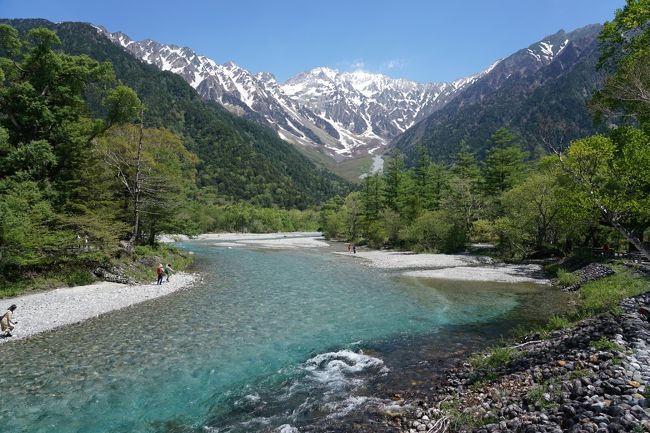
632 239
137 190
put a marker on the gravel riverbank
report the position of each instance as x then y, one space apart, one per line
45 311
594 377
452 267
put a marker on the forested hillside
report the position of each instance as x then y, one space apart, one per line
239 160
493 187
538 98
92 170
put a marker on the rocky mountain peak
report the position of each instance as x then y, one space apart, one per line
341 114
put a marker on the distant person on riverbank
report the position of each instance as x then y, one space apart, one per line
168 271
160 270
354 248
7 323
349 248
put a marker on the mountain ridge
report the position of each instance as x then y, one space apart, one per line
240 160
533 92
341 114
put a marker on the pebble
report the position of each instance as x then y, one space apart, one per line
541 393
45 311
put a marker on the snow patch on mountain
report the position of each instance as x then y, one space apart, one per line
545 52
342 114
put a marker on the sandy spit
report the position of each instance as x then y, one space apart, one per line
452 267
496 273
409 260
45 311
267 240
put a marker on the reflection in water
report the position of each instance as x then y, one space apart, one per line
266 338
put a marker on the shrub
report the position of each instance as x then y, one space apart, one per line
566 278
434 232
604 344
497 357
79 277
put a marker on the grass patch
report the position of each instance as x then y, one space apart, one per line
605 294
461 419
566 278
542 396
579 373
495 358
604 344
556 323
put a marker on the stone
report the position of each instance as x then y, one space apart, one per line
616 411
615 427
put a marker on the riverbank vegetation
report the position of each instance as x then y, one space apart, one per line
592 192
86 183
91 168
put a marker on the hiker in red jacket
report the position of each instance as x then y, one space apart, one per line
160 270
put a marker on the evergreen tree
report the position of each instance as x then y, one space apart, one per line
51 205
371 195
465 164
393 175
504 165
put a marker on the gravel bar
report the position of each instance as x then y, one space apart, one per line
45 311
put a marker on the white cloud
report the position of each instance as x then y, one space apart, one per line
358 65
394 64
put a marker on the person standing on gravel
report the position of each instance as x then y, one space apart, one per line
160 270
168 271
7 323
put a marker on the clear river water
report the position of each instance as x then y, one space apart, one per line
266 340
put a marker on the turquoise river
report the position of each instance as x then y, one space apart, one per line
267 340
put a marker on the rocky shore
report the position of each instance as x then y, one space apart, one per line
591 272
41 312
594 377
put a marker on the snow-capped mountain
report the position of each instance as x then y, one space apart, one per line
530 91
341 114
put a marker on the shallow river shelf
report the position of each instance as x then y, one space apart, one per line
267 338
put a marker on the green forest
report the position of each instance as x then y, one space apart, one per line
593 192
100 153
88 173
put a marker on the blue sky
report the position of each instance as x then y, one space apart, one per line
421 40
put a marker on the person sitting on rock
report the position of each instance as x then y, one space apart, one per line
7 323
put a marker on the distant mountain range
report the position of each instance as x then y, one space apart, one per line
539 92
338 119
239 159
341 114
354 114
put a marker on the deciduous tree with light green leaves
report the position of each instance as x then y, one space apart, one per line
625 54
156 172
615 173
